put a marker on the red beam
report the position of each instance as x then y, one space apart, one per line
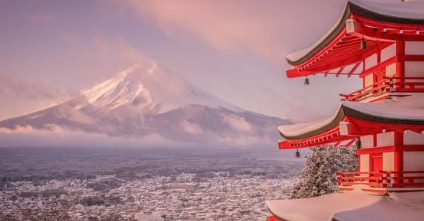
376 150
340 71
343 59
326 73
411 148
340 56
353 69
411 58
388 25
332 65
378 66
375 32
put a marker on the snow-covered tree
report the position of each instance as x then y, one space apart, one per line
318 177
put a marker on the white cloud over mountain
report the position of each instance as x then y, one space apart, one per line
148 103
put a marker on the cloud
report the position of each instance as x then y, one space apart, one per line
60 137
191 127
18 88
98 58
264 27
238 123
118 51
17 130
223 24
18 97
45 19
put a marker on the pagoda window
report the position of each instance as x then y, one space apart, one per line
371 61
414 48
388 161
367 141
391 70
388 52
385 139
413 161
413 138
369 80
414 68
364 166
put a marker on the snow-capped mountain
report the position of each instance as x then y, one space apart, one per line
149 99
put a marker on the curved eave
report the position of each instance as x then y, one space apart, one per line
345 111
351 8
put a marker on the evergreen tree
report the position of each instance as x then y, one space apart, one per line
318 177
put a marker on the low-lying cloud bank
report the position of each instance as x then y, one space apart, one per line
61 137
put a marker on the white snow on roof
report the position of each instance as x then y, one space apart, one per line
300 54
302 128
397 206
409 9
409 107
350 206
320 208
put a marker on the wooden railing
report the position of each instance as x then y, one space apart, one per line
382 179
393 84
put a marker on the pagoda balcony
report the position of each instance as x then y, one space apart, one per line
382 181
385 87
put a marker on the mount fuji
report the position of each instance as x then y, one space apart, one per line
150 99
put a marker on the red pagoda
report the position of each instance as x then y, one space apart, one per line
383 44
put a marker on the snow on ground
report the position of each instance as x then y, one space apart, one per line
352 206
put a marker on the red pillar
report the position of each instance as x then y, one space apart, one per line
359 161
374 140
398 155
400 63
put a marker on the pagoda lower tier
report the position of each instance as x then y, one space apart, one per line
389 135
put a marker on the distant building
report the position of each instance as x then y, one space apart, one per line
149 217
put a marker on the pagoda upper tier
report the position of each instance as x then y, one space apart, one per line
365 34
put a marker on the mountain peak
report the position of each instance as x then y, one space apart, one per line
150 86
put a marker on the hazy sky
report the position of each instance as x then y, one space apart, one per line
51 50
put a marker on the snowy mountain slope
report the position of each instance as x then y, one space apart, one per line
149 99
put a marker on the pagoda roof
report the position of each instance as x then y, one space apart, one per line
406 112
410 12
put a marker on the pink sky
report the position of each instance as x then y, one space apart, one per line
51 50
